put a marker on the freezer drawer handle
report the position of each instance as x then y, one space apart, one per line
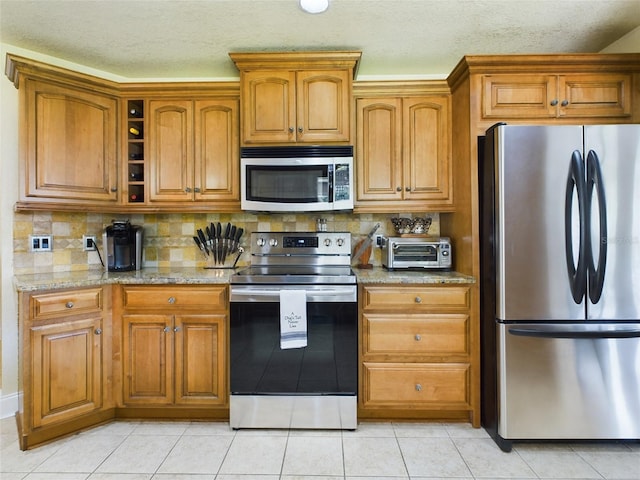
527 332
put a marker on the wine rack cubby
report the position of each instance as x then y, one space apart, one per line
135 151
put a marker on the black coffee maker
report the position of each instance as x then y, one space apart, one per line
122 243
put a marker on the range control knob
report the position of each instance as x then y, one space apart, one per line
327 242
273 242
260 242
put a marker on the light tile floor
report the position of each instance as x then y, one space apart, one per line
207 451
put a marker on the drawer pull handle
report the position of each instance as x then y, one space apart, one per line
418 387
418 337
172 300
166 329
69 304
418 300
98 331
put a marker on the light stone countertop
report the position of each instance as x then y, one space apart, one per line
203 276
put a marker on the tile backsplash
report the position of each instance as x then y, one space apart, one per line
168 238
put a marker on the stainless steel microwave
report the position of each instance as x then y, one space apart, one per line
297 179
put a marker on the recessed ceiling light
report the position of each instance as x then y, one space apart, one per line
314 6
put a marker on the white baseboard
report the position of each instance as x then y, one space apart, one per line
8 405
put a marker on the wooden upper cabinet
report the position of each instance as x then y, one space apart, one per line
217 151
403 153
67 145
193 150
297 97
170 138
556 96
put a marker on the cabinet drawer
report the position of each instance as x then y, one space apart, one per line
71 302
175 297
416 384
419 334
415 298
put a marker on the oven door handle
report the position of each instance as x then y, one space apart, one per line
331 294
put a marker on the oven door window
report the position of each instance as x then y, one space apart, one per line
327 365
289 184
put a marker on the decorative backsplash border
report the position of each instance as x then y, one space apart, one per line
168 238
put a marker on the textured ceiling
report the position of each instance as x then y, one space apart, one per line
192 38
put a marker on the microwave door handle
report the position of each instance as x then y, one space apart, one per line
331 189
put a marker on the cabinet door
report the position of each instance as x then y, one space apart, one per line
66 368
147 353
379 149
170 137
519 96
70 144
268 107
200 359
216 150
594 95
426 149
323 106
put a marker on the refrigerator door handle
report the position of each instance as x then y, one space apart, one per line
575 181
603 334
596 274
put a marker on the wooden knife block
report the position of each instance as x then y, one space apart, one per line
365 256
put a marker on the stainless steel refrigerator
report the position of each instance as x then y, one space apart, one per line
560 282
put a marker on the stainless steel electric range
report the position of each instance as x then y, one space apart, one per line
294 334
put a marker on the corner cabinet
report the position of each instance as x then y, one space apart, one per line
68 138
403 147
417 346
65 366
296 97
174 350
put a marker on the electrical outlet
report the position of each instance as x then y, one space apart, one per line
40 243
88 243
378 241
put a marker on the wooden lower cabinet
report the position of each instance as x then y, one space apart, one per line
174 349
174 359
417 347
65 366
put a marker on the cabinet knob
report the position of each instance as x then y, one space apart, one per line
176 329
418 387
418 299
398 189
197 189
290 129
98 331
408 189
171 300
565 103
554 102
188 190
300 129
114 189
69 304
418 337
166 329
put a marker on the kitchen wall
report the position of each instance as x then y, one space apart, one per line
168 238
